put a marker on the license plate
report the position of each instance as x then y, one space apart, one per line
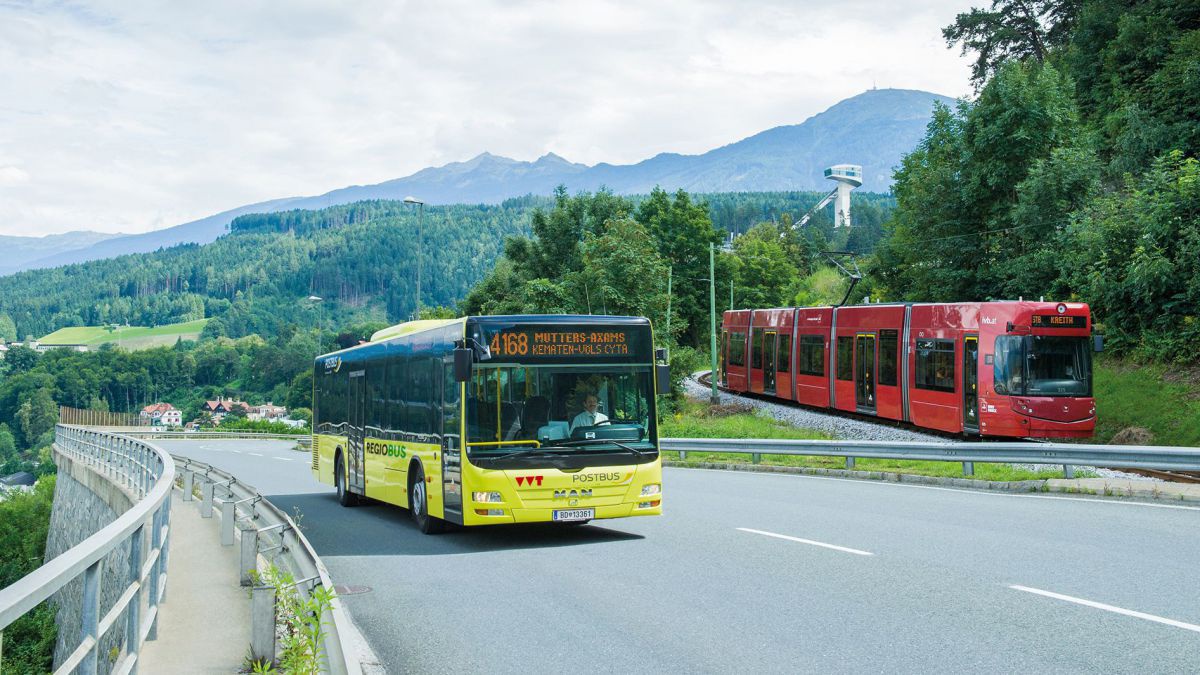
573 514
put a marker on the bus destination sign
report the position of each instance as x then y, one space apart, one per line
1058 321
569 343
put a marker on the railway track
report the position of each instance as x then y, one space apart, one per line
706 381
1170 476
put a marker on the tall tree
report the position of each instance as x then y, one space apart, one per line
683 232
1011 30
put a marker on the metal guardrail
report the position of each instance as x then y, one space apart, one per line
1068 455
145 432
148 473
268 531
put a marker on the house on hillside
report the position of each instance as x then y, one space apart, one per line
21 481
269 412
221 407
3 350
43 347
161 414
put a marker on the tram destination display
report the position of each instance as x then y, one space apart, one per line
1058 321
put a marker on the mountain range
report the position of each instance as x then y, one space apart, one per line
874 129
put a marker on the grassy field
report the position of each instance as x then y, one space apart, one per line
132 337
1165 400
695 421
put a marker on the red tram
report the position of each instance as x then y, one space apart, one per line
1020 369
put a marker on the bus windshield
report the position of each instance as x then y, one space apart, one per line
572 408
1043 365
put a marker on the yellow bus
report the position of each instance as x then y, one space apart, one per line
495 419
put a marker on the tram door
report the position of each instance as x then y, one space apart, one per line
768 350
864 372
357 420
971 383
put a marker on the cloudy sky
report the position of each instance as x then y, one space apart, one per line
134 115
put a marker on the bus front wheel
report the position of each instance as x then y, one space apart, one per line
418 498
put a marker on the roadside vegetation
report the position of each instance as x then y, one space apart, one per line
24 524
1147 404
696 419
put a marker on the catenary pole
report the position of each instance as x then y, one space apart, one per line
712 318
668 304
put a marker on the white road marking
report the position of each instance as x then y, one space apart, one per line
255 454
1108 608
286 459
980 492
806 541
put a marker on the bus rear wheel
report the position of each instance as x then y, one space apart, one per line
344 496
418 504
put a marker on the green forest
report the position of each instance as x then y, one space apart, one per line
282 288
1072 174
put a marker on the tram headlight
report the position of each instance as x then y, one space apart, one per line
484 497
651 489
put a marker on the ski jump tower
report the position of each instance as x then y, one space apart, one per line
848 177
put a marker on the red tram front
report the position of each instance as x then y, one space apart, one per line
1018 369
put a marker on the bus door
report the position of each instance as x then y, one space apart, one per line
768 351
864 371
971 383
354 435
452 497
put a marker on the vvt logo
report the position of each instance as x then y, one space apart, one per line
529 480
989 320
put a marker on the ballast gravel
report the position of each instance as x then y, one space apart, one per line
852 429
835 425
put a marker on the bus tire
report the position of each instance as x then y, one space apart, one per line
344 496
418 503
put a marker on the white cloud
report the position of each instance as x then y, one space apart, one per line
11 175
138 115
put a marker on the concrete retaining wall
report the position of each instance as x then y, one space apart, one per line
85 501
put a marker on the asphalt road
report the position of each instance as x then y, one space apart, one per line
763 572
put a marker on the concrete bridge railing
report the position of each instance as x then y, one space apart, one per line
146 473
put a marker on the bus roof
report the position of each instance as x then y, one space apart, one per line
410 327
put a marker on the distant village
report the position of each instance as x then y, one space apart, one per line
213 412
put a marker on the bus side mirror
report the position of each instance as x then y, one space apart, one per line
1098 343
662 373
462 364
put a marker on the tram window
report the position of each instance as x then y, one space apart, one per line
737 349
889 341
845 358
935 365
812 355
756 347
785 354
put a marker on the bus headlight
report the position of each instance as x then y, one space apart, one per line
486 497
651 489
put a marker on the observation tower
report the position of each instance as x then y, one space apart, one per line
848 177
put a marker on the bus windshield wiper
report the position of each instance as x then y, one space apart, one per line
597 441
544 450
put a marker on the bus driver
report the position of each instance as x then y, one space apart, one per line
590 417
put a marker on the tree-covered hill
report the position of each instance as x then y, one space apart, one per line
1073 173
358 259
